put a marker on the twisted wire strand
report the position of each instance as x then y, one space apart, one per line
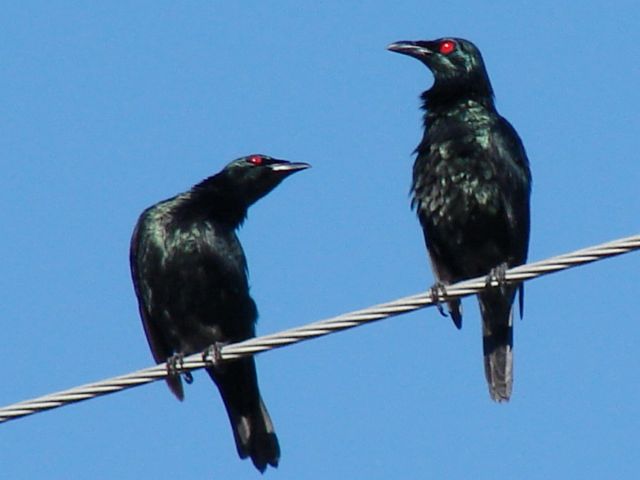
320 328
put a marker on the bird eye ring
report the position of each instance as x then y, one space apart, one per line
255 160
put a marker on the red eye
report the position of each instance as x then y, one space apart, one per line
255 160
447 46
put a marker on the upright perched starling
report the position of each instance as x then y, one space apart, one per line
471 189
190 276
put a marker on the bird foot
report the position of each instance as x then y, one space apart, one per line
175 367
438 291
497 277
213 353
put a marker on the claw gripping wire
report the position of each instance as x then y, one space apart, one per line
320 328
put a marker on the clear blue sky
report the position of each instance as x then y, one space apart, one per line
108 107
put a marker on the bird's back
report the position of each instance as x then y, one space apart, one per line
190 275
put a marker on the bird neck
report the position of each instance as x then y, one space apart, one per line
218 199
450 94
462 110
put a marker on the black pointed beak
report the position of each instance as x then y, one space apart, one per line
414 49
289 167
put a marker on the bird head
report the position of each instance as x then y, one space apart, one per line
456 63
255 175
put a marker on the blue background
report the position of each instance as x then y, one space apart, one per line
109 107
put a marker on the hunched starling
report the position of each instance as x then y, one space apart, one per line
190 276
471 188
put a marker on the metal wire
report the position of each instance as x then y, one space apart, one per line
320 328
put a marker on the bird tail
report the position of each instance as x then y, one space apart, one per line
497 340
251 424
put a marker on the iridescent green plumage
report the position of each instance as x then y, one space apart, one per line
190 277
471 188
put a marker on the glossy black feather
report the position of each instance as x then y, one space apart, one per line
190 276
471 188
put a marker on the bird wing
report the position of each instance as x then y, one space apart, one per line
509 152
139 252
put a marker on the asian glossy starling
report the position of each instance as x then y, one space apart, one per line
190 277
471 188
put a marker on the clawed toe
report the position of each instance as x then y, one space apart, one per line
175 367
439 291
497 277
213 353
